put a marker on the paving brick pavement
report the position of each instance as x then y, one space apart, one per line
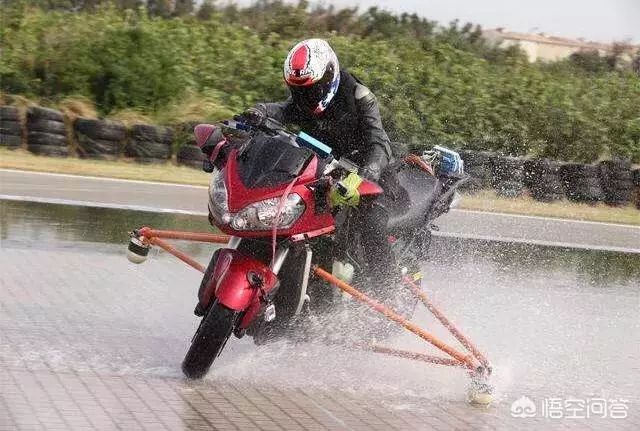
88 341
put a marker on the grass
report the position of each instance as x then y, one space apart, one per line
490 202
166 173
171 173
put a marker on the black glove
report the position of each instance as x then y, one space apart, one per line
254 116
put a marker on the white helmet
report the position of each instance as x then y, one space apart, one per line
312 73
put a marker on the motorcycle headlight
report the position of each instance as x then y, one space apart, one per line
261 215
219 198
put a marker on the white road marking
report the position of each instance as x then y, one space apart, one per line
155 183
101 205
205 214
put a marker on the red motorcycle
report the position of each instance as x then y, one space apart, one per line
269 190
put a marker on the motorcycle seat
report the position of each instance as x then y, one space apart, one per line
417 193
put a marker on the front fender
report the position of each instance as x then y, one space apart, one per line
231 280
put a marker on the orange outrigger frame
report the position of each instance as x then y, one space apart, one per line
474 361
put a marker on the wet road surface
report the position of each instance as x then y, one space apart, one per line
103 192
90 341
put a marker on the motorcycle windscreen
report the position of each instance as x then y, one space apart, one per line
270 162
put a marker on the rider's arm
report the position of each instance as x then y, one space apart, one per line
378 150
279 111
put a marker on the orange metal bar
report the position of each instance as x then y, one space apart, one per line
188 236
447 323
177 253
467 360
412 355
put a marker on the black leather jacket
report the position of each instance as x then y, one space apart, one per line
351 125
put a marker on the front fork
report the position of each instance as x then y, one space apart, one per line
242 283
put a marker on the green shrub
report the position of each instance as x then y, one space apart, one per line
435 85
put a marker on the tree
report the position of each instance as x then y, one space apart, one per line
161 8
183 7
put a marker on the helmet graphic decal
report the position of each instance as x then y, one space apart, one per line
299 64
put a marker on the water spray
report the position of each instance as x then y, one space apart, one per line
480 391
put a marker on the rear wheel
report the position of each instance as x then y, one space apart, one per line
210 338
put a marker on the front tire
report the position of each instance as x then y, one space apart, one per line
209 340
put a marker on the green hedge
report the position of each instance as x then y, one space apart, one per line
433 89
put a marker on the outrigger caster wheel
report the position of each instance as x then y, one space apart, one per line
137 251
480 392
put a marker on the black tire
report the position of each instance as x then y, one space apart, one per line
150 133
9 113
10 141
150 161
506 169
190 152
617 181
190 164
548 197
482 172
191 156
478 165
509 189
547 187
100 149
209 340
47 126
474 185
147 150
38 113
100 129
476 158
636 177
586 193
10 127
49 139
49 150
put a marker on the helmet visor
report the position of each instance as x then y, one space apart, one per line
308 97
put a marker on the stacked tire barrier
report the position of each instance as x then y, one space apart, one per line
612 182
542 178
478 165
582 182
507 175
189 153
10 127
99 139
635 174
47 132
616 181
149 144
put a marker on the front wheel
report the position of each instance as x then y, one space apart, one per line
209 340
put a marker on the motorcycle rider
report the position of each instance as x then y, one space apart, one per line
333 106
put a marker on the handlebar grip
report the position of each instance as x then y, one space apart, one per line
341 189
